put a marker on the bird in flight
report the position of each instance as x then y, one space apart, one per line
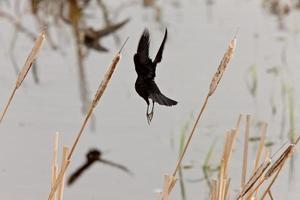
94 156
92 36
145 68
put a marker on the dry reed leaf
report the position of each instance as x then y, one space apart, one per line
222 66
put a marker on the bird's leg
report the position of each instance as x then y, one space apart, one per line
150 115
152 111
147 114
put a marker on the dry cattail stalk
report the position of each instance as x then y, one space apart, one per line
54 161
261 144
260 149
226 194
261 173
224 180
22 74
270 195
214 190
237 127
272 182
268 172
216 79
96 99
255 177
169 183
63 163
245 153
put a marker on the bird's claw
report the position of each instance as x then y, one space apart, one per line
149 117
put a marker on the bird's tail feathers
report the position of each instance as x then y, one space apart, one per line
163 100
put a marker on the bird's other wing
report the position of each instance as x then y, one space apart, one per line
158 56
119 166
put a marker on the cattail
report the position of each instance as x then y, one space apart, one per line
97 97
106 79
216 79
222 67
30 59
22 74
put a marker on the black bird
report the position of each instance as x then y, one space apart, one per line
145 68
93 156
92 37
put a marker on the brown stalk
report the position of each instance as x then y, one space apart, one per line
95 101
278 165
224 180
260 148
237 128
260 182
270 195
267 159
226 194
275 168
255 178
22 74
281 160
54 161
213 86
169 183
245 154
272 182
62 184
261 144
214 190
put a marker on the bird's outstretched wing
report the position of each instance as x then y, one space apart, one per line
143 64
143 48
158 56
